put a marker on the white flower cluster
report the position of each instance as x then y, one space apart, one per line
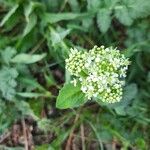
101 72
75 62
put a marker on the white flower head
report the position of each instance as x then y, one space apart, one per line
101 72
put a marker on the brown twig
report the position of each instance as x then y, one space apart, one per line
69 141
82 136
25 134
4 137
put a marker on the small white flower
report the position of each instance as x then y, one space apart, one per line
95 94
74 82
84 89
104 81
97 59
107 49
108 90
90 88
80 79
87 65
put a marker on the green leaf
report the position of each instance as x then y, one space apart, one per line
130 52
101 147
27 58
50 79
30 94
141 143
44 124
7 54
120 110
123 15
30 24
138 9
9 14
42 147
56 144
8 82
28 9
93 5
111 3
129 94
70 96
53 17
67 76
25 108
30 83
104 19
74 4
36 106
57 37
31 17
87 23
105 135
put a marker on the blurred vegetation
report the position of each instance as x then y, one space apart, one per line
35 38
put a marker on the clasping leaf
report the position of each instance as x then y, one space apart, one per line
70 96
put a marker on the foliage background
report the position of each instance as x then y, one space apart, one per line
35 38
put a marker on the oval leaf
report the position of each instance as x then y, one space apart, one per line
104 19
70 96
8 15
30 94
30 24
27 58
